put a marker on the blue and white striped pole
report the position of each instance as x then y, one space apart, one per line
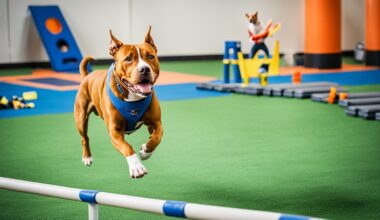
168 208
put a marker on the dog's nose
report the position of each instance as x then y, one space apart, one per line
144 70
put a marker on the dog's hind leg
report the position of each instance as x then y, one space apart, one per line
81 114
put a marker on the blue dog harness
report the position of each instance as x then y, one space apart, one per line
131 111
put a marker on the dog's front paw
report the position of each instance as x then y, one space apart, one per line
87 161
136 169
143 154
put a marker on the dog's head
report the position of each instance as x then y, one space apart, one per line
252 18
136 65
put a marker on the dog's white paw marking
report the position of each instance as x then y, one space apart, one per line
87 161
136 169
143 154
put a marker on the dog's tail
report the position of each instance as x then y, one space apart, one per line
83 66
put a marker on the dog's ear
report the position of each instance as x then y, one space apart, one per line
256 13
247 15
149 39
115 45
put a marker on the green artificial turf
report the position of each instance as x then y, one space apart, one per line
16 72
274 154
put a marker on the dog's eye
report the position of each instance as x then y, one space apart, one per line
129 59
151 57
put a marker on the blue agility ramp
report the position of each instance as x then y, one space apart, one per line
56 36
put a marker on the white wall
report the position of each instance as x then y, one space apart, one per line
179 27
353 23
4 37
201 27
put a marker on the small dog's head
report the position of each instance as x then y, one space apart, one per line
137 65
252 18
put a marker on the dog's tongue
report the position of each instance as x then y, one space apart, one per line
144 87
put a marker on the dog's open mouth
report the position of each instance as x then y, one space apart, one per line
143 88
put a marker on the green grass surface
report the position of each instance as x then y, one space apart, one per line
205 68
273 154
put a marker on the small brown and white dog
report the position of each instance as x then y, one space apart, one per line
124 98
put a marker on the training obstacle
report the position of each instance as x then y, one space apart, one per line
322 97
231 50
363 101
250 89
377 116
370 110
59 42
157 206
251 67
291 91
307 92
278 89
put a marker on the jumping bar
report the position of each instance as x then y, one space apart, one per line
157 206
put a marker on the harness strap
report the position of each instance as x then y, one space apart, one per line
131 111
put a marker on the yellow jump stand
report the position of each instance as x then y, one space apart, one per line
250 67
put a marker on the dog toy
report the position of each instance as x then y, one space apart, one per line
19 103
4 103
16 103
32 95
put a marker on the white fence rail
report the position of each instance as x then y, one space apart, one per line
163 207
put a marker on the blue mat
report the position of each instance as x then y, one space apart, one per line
344 78
51 102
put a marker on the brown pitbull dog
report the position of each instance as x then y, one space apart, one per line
124 98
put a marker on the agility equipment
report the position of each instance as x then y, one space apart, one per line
372 33
251 89
363 101
226 87
332 96
289 92
157 206
363 95
250 67
377 116
323 97
263 79
343 96
205 86
220 87
322 39
366 109
231 50
60 45
369 113
302 93
296 77
279 89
